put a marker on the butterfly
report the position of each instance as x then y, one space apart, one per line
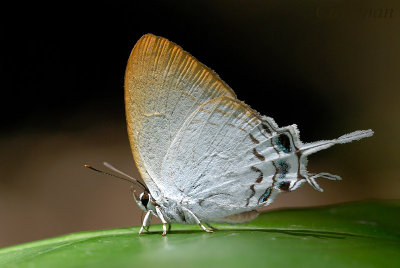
204 155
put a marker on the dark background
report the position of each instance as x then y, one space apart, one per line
331 67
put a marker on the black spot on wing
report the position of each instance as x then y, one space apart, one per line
283 142
264 197
284 186
283 168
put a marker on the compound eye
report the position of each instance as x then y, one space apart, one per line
283 143
144 198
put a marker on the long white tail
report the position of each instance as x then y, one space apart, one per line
313 147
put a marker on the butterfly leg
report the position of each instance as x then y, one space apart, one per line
211 227
164 222
198 221
314 184
146 221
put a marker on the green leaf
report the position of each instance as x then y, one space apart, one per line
349 235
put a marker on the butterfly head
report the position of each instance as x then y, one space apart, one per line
143 200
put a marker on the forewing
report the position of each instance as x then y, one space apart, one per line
163 86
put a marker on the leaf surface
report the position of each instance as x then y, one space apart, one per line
363 234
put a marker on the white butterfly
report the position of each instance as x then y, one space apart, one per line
204 155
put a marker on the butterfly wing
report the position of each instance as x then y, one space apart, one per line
163 86
194 143
228 160
225 159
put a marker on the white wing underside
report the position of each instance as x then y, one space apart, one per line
194 142
189 134
211 159
163 86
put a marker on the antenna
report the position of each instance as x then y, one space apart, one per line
128 179
108 165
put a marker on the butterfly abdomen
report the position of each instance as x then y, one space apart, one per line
239 218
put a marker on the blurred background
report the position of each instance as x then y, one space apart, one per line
331 67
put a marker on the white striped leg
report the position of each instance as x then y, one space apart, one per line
146 220
164 222
198 221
